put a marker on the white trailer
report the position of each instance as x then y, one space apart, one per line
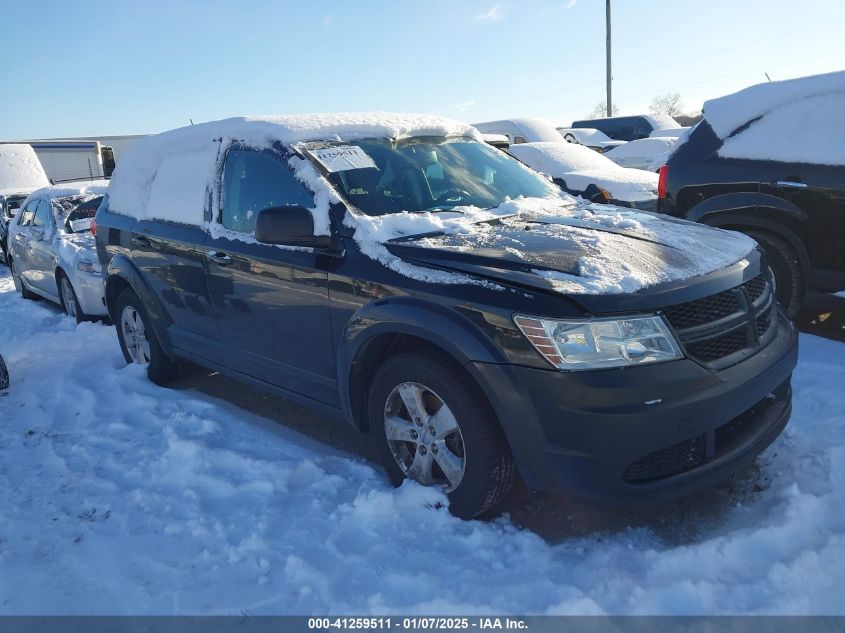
83 158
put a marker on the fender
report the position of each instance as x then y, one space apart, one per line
121 267
746 202
756 210
457 336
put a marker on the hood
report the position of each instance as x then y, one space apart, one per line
630 185
585 250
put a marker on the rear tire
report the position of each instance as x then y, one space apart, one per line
465 437
138 340
19 285
786 268
67 298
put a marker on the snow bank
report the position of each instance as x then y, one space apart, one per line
120 497
20 169
726 114
179 167
580 167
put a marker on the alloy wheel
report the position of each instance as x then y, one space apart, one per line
69 298
134 336
424 436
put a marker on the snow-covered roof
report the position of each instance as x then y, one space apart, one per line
20 169
67 189
534 130
728 113
177 167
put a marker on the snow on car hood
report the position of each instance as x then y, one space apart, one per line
580 167
566 246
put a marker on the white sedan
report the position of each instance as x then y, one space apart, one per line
644 153
591 137
582 172
51 248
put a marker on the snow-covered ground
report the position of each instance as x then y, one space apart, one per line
117 496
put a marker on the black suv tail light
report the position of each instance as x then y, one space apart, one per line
662 174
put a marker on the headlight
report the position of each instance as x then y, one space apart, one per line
601 343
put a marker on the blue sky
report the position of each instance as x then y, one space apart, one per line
95 68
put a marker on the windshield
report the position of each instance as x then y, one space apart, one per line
379 176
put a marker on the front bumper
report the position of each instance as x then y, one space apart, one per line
646 433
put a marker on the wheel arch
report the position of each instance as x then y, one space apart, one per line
121 274
376 332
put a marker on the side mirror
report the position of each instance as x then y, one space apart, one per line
291 225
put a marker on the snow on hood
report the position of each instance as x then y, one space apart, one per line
20 169
580 167
574 247
169 176
728 113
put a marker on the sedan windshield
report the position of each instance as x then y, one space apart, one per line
379 176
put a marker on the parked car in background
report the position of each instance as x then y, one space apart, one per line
645 153
590 137
499 141
582 172
770 161
521 130
51 248
672 132
399 273
20 174
629 128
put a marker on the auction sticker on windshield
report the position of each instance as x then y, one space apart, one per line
342 158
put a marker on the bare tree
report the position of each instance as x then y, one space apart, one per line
669 103
600 110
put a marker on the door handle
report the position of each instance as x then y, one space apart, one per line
221 259
791 184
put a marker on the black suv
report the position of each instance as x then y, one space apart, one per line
795 210
402 275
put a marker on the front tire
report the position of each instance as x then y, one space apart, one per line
138 340
67 297
786 269
431 424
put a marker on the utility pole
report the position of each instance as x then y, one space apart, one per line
609 80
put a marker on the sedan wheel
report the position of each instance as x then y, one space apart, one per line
424 437
69 302
134 335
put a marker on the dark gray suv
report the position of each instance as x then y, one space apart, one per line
400 274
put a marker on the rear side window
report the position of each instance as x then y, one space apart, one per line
253 181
